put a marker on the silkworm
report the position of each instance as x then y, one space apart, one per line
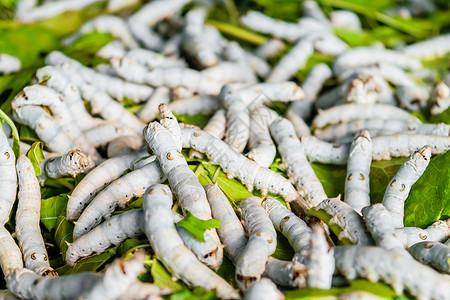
97 179
292 227
9 64
434 254
109 131
367 89
258 65
119 192
319 260
150 110
235 53
169 247
270 48
379 223
327 43
358 168
297 165
437 232
430 48
293 61
264 93
389 72
228 72
311 9
215 127
114 49
350 226
262 290
353 111
375 263
172 45
152 59
345 19
324 152
10 254
300 126
46 128
238 119
414 97
236 165
113 25
440 98
262 242
8 178
27 220
399 187
285 273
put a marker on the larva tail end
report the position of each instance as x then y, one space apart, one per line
425 151
365 134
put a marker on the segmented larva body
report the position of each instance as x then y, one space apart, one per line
228 72
10 255
114 49
319 260
236 165
399 187
300 126
346 219
269 48
113 25
311 9
150 110
264 289
27 220
234 53
9 64
294 158
358 168
262 242
153 59
286 273
389 72
291 226
440 98
324 152
367 89
345 19
262 148
115 87
97 179
327 43
46 128
8 178
169 247
413 97
437 232
238 119
434 47
379 223
72 163
434 254
264 93
354 111
109 131
119 192
399 271
293 61
145 35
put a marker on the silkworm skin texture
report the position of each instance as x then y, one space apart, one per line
434 254
10 254
319 260
262 290
8 178
72 163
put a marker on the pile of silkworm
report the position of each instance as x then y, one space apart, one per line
174 63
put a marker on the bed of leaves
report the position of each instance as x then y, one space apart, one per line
427 203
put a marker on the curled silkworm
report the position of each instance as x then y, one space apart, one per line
398 188
286 273
215 127
9 64
27 220
431 48
98 178
262 242
319 260
10 255
323 152
434 254
294 158
262 290
358 168
263 93
437 232
345 19
344 221
440 98
399 271
8 178
169 247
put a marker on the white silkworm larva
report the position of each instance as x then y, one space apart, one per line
97 179
286 273
437 232
169 247
152 59
264 289
238 118
358 168
262 148
319 260
46 128
389 72
345 217
123 144
27 220
10 255
431 48
324 152
434 254
312 9
119 192
367 89
258 65
267 92
236 165
115 87
300 126
9 64
234 53
114 49
345 19
150 110
228 72
196 105
414 97
291 226
440 98
399 271
327 43
379 223
353 111
295 161
399 187
105 133
262 242
8 178
270 48
293 61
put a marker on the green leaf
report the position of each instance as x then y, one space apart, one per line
51 209
197 293
162 278
429 199
332 178
196 226
325 217
381 172
238 32
27 134
90 264
36 156
16 141
84 48
63 234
